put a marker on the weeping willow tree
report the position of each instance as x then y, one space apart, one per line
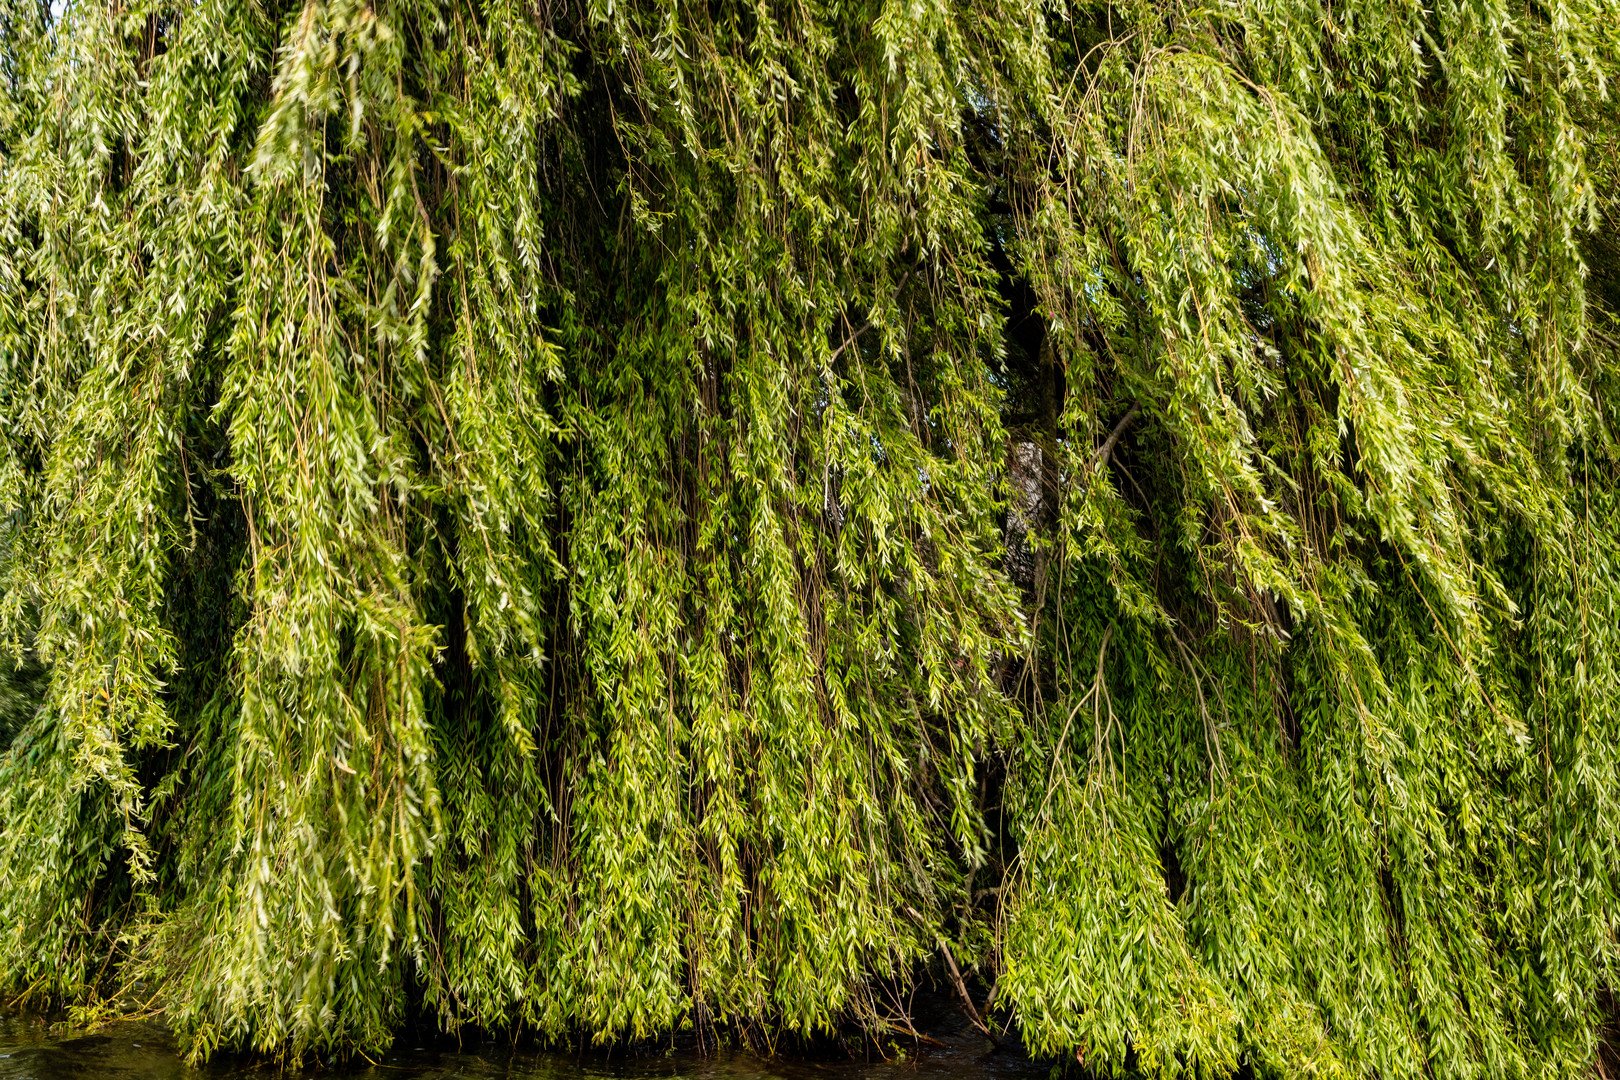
624 517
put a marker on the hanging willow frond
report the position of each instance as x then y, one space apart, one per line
619 517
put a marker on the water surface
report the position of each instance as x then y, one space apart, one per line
33 1049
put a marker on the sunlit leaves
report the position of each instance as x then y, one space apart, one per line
637 516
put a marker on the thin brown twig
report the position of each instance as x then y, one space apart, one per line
867 325
956 977
1100 459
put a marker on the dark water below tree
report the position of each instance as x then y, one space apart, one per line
34 1049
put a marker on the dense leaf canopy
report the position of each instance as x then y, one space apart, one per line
618 516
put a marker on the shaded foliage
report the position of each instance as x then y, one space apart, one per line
627 517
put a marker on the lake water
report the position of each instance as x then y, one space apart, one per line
31 1049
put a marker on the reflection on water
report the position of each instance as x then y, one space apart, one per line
31 1049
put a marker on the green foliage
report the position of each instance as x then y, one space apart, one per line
632 516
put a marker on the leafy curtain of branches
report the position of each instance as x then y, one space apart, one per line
618 516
